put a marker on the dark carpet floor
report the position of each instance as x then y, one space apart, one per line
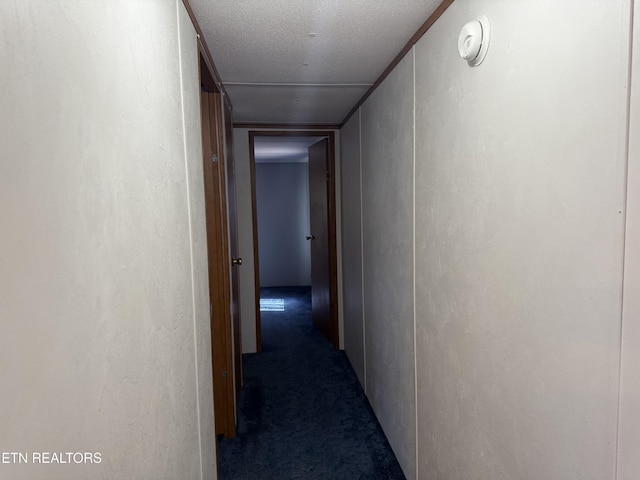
302 412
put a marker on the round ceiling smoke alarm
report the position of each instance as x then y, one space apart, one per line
473 41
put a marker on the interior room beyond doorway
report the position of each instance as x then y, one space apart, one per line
294 219
282 201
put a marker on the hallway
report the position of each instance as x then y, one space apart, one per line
487 222
302 411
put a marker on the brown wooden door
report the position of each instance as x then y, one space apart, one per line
233 247
218 255
319 202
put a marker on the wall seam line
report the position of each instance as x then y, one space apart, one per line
415 351
189 213
625 199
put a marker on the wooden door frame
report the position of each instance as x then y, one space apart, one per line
223 303
332 224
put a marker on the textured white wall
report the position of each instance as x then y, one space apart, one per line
387 229
352 245
629 423
519 228
189 58
519 188
101 311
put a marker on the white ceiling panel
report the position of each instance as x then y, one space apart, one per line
304 42
292 104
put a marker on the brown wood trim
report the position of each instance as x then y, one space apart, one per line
333 236
206 53
290 133
412 41
225 277
218 264
288 126
256 262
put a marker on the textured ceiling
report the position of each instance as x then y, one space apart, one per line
304 61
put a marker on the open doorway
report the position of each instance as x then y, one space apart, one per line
282 200
294 232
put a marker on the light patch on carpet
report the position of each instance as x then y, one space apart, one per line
272 305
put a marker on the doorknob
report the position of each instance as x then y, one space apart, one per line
311 237
236 261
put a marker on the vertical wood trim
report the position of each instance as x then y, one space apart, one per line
217 264
206 150
256 262
225 267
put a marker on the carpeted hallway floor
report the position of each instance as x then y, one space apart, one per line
302 412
